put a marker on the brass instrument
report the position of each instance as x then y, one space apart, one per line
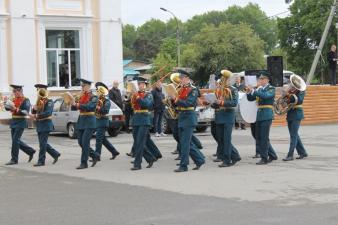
282 105
131 88
70 99
175 78
42 94
160 80
6 104
101 92
224 85
172 89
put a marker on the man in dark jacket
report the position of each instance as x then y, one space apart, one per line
332 58
159 107
115 95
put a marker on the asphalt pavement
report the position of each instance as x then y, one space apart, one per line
297 192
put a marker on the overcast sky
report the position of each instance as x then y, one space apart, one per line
137 12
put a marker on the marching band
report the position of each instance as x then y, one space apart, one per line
181 100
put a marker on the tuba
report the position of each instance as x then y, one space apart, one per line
282 105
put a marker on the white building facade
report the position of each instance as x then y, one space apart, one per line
55 42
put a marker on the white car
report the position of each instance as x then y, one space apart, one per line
65 118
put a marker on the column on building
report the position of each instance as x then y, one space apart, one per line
3 48
23 44
110 41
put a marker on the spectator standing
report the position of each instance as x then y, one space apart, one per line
332 58
158 109
115 95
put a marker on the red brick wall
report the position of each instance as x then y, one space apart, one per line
320 106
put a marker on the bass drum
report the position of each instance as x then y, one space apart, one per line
248 109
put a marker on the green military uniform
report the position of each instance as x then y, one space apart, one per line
294 117
225 120
266 96
102 123
86 123
18 124
187 121
44 126
142 103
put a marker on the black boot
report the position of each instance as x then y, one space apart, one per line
56 158
262 162
82 166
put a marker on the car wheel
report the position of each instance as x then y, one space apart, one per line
113 132
201 129
71 131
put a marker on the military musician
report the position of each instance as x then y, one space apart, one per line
19 106
86 123
42 113
186 102
227 99
142 103
265 95
102 123
295 115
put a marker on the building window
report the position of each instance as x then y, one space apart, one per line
63 58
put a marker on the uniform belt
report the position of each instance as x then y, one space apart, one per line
297 106
265 106
87 113
223 108
102 117
141 111
185 108
19 117
47 118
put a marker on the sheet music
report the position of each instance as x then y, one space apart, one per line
250 81
169 89
210 97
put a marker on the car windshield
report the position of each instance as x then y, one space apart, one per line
57 105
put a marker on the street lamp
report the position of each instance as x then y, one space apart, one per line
177 36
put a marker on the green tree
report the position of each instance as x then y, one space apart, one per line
169 46
264 27
251 14
162 65
236 48
300 33
128 38
149 38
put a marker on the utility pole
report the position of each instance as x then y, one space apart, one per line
177 36
322 42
